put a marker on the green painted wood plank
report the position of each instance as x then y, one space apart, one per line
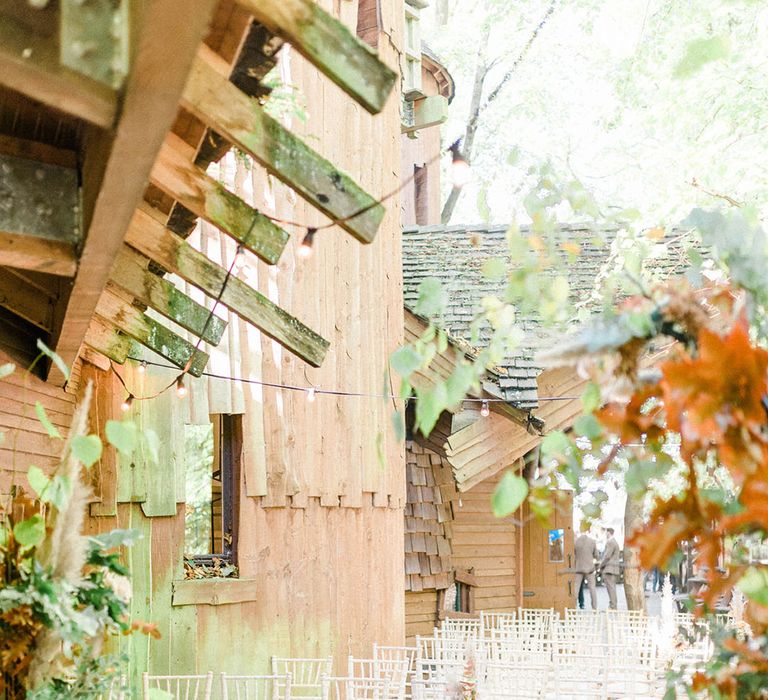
131 274
140 567
150 333
104 338
152 239
242 120
330 46
175 174
161 475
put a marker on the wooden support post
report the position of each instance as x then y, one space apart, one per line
177 176
330 46
150 333
131 274
148 235
29 64
220 105
117 177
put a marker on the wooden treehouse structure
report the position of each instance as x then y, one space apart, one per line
116 239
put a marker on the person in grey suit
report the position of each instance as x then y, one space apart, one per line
610 567
586 554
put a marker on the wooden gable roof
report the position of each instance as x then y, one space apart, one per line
125 152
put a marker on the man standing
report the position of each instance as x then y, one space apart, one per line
586 553
610 567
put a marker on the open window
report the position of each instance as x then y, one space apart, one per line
212 479
458 600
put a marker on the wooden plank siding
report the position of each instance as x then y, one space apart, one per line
25 441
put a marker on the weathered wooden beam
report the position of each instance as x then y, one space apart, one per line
177 176
25 300
37 151
38 215
150 333
220 105
131 274
150 237
29 64
40 254
159 69
330 46
105 339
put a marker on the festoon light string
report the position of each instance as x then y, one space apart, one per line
460 176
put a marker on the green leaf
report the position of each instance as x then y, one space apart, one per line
588 426
494 268
509 494
6 369
50 428
432 298
43 348
398 423
699 52
30 532
591 399
442 341
122 435
430 403
87 449
37 480
555 444
754 584
59 491
405 361
116 538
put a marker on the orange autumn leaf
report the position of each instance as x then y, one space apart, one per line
721 387
628 421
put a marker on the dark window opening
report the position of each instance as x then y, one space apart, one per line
369 21
421 195
212 479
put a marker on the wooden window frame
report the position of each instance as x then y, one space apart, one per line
468 583
228 443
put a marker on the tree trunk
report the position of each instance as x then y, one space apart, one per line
468 142
633 573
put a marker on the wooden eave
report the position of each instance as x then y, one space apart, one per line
142 177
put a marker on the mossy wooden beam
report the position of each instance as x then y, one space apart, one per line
330 46
149 236
131 274
150 333
105 339
211 97
175 174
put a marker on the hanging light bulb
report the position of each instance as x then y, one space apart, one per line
142 367
239 259
181 390
461 173
126 405
485 410
310 394
305 249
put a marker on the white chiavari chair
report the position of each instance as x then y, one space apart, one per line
197 687
305 674
235 687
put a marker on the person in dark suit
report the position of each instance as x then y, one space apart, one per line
610 567
586 552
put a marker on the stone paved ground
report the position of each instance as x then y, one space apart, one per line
652 600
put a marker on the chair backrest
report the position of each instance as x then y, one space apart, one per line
545 614
356 688
495 620
255 687
513 681
461 626
394 670
392 653
180 687
584 679
305 674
